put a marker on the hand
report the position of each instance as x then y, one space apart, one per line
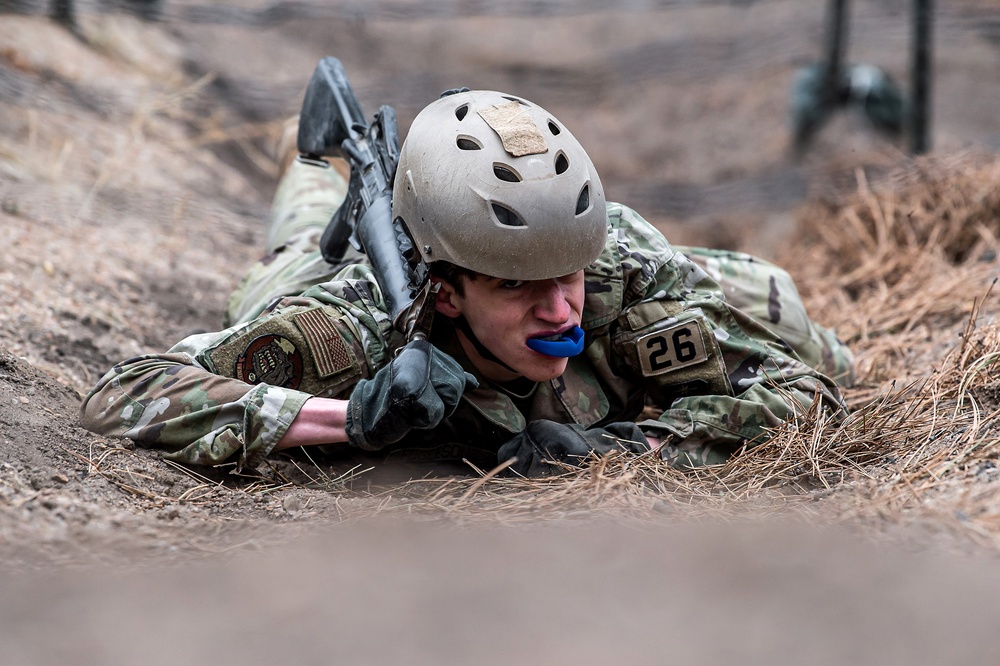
418 389
550 441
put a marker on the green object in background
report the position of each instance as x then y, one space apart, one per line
866 88
820 89
875 93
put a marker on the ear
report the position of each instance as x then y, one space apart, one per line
448 301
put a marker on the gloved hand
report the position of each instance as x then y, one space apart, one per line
418 389
547 440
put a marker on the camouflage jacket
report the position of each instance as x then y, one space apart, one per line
663 336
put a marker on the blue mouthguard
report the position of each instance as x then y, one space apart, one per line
569 344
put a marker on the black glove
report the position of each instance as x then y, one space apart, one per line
547 440
417 389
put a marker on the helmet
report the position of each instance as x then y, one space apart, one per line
495 184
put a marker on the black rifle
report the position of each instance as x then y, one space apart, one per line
332 125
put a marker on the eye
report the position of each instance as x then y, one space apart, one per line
511 284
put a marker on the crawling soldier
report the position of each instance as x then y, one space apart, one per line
563 324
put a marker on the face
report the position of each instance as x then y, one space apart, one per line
504 314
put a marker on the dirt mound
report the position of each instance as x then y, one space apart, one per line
69 497
39 424
780 594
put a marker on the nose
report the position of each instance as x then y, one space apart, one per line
552 302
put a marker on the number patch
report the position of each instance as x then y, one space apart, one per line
671 349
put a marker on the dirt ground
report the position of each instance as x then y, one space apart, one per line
136 166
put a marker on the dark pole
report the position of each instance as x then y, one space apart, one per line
62 11
920 72
836 37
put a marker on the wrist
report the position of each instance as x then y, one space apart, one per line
354 426
319 421
654 442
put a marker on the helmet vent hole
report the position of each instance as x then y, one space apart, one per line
562 164
468 143
583 201
505 174
515 99
554 128
506 217
461 111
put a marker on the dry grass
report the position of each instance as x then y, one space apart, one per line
893 268
909 260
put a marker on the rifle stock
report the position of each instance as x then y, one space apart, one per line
332 124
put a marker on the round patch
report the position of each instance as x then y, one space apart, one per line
270 359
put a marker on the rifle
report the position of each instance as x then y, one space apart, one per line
332 124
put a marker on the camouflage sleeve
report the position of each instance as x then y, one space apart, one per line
231 395
170 402
720 377
767 293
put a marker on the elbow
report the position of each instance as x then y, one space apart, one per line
95 413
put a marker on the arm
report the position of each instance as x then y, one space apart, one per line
189 402
319 421
170 402
416 390
721 377
174 402
759 386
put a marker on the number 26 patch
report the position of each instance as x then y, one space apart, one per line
670 349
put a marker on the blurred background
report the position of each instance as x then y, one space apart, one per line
684 104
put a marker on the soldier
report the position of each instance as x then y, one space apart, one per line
563 324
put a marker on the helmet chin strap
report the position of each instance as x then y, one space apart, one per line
462 324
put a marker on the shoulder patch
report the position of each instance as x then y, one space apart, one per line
670 349
329 351
270 359
676 354
304 350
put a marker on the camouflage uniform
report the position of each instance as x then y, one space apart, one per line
719 341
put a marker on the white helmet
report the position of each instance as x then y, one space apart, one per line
495 184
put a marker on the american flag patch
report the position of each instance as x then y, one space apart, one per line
326 344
